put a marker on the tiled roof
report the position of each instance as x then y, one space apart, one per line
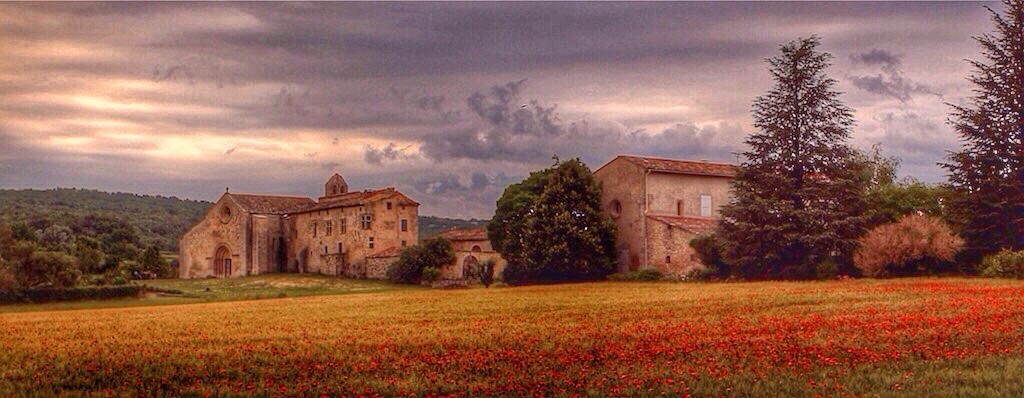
461 234
695 167
386 253
270 204
694 225
357 198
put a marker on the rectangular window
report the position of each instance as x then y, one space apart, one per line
405 225
367 218
388 205
679 207
325 249
343 226
340 248
705 205
369 242
403 243
668 259
329 228
314 229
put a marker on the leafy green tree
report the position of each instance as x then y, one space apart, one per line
507 229
436 252
709 251
154 263
45 268
987 174
560 234
90 257
799 197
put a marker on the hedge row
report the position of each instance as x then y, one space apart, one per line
76 293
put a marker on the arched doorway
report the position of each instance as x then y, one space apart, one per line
469 266
222 262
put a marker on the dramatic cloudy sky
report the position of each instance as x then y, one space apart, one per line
448 102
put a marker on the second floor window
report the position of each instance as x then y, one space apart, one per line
366 220
405 225
705 205
369 242
329 228
314 229
343 226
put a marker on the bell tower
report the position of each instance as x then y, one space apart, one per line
335 185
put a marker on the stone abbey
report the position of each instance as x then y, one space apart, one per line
346 233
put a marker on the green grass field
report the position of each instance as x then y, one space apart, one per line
916 337
220 289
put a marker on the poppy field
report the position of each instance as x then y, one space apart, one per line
921 337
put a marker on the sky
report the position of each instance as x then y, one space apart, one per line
448 102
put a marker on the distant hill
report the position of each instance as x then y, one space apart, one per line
158 220
430 225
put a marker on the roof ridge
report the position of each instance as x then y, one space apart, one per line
269 195
675 159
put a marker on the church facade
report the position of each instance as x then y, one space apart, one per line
349 233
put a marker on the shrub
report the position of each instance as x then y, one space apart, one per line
1005 264
709 251
827 269
41 295
431 274
645 275
914 244
486 272
432 253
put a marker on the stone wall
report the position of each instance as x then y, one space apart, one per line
670 250
666 190
306 247
623 181
377 268
479 249
199 245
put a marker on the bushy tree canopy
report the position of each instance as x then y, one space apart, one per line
435 252
550 227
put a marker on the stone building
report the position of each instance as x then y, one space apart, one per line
341 233
659 205
472 247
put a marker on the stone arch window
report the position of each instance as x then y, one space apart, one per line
222 261
616 208
334 189
476 249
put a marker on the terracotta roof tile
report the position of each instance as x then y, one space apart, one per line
357 198
270 204
694 225
462 234
392 251
695 167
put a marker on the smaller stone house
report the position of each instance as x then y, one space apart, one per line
659 205
472 247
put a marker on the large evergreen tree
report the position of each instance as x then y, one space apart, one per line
550 227
987 175
799 193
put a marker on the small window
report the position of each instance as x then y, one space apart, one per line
325 249
343 226
225 214
387 205
314 229
405 225
329 228
366 220
616 208
476 248
679 207
369 242
705 205
340 248
668 259
404 243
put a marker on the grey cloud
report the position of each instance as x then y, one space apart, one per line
891 82
391 151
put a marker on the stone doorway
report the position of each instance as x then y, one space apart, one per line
222 262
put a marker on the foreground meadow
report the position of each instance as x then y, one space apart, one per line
922 337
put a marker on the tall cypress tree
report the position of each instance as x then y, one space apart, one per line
987 175
798 195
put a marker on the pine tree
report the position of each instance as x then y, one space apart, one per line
987 175
799 193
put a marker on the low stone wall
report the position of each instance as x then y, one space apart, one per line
377 267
